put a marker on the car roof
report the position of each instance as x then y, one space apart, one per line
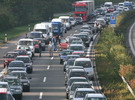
95 95
83 59
75 67
10 77
26 39
77 78
11 52
77 70
80 83
4 83
17 61
76 45
23 56
85 89
19 72
73 55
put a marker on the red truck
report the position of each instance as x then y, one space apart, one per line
84 9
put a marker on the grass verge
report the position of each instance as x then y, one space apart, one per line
113 54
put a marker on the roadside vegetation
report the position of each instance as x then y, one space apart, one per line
113 59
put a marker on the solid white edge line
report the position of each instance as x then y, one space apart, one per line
130 40
44 80
41 94
48 67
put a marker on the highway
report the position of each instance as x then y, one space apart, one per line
48 78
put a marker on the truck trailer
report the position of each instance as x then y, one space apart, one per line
84 9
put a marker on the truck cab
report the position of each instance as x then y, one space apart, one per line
58 27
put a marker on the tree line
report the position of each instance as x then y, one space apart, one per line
22 12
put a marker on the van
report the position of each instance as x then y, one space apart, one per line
26 42
44 28
66 20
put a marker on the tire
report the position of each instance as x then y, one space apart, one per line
28 89
61 61
67 96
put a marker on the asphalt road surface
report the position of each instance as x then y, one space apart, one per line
48 78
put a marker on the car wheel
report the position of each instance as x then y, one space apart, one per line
66 95
28 89
61 61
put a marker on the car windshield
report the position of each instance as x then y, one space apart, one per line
35 35
76 80
66 53
16 64
76 42
81 94
85 64
25 48
77 74
63 41
76 48
95 98
83 36
3 86
82 8
11 55
75 86
21 52
12 81
20 75
29 43
24 59
70 62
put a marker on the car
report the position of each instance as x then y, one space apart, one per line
76 85
80 53
10 56
76 73
28 49
77 47
43 44
73 38
68 68
87 64
74 79
70 62
101 21
63 55
111 9
71 56
5 94
99 11
27 61
73 21
81 92
5 85
95 96
63 44
22 75
15 86
26 42
77 42
21 51
35 34
86 38
16 65
79 20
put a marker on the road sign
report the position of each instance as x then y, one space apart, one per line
113 19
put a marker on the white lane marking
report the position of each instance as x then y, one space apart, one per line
52 58
48 67
130 40
44 80
41 95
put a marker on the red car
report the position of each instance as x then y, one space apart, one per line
110 9
10 56
63 44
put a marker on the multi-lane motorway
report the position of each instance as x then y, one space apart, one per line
48 78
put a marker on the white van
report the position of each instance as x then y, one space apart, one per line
66 20
108 4
44 27
26 42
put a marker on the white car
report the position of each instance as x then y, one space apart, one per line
77 47
81 92
87 64
26 42
96 96
73 21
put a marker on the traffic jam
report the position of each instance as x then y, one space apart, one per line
73 50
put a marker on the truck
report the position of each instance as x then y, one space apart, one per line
84 9
58 27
